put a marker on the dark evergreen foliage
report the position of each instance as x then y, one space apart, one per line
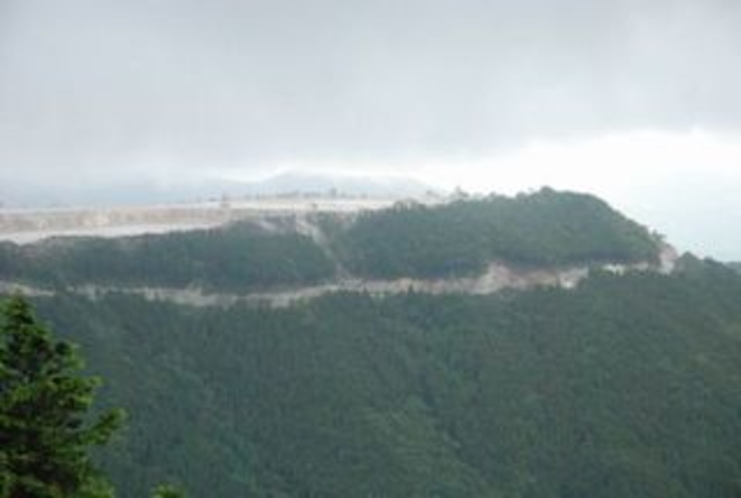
627 386
546 228
167 491
238 257
45 431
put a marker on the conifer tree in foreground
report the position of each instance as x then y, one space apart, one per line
46 430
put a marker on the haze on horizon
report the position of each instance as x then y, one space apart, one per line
635 101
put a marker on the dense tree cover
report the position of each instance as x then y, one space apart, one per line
167 491
546 228
45 431
627 386
241 256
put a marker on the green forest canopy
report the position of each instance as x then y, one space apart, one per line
543 229
626 386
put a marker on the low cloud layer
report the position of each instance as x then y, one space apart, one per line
105 92
102 87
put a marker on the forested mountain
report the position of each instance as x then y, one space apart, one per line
543 229
240 257
626 385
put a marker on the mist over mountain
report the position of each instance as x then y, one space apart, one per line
131 193
121 193
138 102
353 185
226 205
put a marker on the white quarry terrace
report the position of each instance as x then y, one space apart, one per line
29 226
24 226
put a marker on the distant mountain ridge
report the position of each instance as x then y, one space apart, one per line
546 229
143 193
325 183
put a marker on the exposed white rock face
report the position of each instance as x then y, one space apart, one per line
496 278
27 226
26 290
668 258
277 215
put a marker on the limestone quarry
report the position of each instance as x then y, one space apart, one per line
30 225
26 226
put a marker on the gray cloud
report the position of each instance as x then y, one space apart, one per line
100 87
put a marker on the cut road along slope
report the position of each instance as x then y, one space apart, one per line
496 278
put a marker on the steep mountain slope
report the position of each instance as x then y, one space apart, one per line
239 257
625 386
626 383
546 229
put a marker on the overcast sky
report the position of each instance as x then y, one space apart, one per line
635 100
